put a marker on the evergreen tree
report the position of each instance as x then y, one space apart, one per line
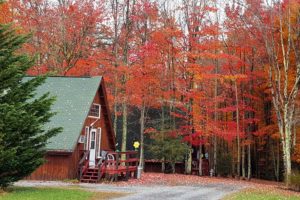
168 148
22 114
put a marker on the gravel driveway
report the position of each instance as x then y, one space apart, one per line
208 192
155 192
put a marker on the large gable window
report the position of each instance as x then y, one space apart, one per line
95 111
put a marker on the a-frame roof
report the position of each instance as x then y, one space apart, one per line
74 97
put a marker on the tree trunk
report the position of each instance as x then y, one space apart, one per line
115 111
233 160
124 126
125 60
278 159
294 134
249 162
163 165
275 159
238 130
188 165
162 129
287 150
200 160
215 153
115 53
216 113
173 163
142 121
243 162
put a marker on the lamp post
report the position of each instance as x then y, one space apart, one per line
136 146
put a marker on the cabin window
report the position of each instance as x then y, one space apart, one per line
95 111
93 140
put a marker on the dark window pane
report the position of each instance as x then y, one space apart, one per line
95 111
92 144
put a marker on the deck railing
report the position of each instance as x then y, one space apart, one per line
123 164
83 163
111 166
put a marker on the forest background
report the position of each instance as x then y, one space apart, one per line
218 76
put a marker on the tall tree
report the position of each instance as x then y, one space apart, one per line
278 24
22 133
64 34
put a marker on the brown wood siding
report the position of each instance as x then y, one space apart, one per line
101 123
57 167
60 167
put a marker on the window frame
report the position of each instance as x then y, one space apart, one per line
98 143
86 143
93 139
90 116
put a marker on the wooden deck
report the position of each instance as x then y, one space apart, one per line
115 166
124 165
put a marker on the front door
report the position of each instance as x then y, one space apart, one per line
92 145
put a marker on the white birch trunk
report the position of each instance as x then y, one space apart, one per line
142 122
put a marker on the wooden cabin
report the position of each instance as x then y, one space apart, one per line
82 111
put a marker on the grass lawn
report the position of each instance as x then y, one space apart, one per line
30 193
262 194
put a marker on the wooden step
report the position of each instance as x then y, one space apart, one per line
92 169
91 173
89 176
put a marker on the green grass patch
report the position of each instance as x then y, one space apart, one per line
30 193
262 194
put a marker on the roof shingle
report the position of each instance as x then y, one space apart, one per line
74 97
